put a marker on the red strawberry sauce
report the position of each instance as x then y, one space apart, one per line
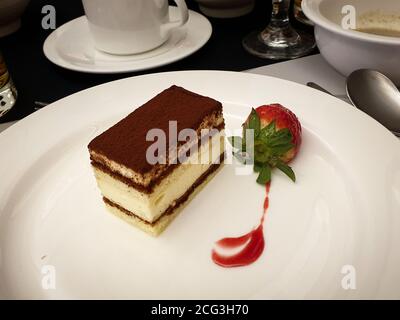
253 241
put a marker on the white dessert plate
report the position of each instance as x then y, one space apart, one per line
335 233
72 47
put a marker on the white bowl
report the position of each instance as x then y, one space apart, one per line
10 14
348 50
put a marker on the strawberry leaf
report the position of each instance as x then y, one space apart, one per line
269 129
236 142
281 149
286 170
261 157
265 175
254 122
259 146
282 136
257 167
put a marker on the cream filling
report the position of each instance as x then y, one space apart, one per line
149 207
147 177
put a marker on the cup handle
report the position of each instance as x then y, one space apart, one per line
184 17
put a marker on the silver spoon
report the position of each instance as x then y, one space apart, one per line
376 95
318 87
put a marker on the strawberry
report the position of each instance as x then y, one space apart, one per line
284 118
277 138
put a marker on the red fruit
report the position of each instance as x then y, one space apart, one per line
284 118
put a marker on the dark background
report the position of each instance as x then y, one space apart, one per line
37 79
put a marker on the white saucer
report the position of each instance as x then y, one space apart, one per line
71 46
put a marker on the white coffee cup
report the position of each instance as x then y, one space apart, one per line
131 26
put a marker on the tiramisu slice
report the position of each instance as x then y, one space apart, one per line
152 162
